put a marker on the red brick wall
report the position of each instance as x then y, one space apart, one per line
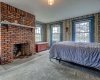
12 14
0 43
15 35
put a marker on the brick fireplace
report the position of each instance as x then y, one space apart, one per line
12 36
15 35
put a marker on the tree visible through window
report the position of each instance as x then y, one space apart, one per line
38 34
82 31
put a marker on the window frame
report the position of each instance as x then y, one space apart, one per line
91 27
42 32
61 27
80 32
55 33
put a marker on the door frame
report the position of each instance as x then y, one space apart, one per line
61 34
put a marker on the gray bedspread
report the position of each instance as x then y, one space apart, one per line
87 54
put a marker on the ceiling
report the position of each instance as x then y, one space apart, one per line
62 9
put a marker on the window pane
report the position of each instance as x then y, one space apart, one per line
38 34
82 28
86 28
77 37
77 25
77 29
82 38
87 37
87 23
58 30
82 32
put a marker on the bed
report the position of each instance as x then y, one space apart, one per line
87 54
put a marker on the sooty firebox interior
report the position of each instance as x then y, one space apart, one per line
21 50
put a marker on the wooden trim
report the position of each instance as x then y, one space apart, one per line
8 23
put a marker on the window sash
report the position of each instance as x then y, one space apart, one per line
38 34
56 32
82 32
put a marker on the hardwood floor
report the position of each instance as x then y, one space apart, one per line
41 68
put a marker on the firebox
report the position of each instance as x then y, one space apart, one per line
21 50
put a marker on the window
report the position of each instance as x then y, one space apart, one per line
83 30
38 34
56 33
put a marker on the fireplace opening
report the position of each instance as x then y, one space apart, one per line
21 50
